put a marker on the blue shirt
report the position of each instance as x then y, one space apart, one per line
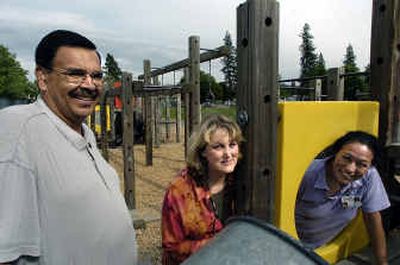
319 217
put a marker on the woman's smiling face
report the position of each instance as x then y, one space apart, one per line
351 162
221 153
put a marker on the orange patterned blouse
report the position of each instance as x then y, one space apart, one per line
188 219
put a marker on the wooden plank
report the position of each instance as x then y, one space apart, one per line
167 118
127 136
335 84
148 115
157 116
194 80
178 118
385 67
258 30
317 84
187 110
204 57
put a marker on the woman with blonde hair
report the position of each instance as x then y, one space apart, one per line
189 214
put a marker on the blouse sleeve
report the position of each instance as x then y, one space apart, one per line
174 240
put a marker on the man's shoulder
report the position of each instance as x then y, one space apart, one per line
14 121
17 115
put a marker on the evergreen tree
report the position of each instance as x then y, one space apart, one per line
13 81
112 70
229 68
320 68
209 88
352 84
309 58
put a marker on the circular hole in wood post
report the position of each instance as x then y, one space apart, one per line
268 21
382 8
267 98
398 47
245 42
379 61
266 172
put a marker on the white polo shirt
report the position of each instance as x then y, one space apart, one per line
59 199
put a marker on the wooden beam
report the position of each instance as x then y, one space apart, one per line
178 118
148 115
335 84
385 67
187 110
128 140
194 81
257 42
205 56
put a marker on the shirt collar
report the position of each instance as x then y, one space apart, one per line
79 141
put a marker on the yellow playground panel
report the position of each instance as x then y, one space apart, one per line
305 129
97 119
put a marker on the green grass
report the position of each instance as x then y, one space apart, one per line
230 112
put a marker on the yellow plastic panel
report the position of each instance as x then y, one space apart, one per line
353 238
97 119
305 129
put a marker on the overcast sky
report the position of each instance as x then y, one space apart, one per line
159 29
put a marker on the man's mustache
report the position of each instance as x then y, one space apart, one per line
84 92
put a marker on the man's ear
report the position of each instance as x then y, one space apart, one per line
41 77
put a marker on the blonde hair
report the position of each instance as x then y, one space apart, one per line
199 140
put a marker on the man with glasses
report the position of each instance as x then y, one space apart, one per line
60 201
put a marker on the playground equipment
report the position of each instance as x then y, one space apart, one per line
259 116
304 130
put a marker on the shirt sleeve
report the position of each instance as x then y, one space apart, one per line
19 221
174 240
375 198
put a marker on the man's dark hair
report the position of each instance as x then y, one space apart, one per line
48 46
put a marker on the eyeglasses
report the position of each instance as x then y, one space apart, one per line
77 76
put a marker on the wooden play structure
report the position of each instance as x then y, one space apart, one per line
272 167
281 138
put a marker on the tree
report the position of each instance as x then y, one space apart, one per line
308 59
229 68
13 81
320 68
112 70
352 84
209 88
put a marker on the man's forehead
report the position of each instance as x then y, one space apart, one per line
76 55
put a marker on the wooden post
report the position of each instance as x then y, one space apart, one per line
129 165
194 81
167 117
178 118
148 115
103 125
317 84
156 111
187 111
258 30
335 84
385 67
